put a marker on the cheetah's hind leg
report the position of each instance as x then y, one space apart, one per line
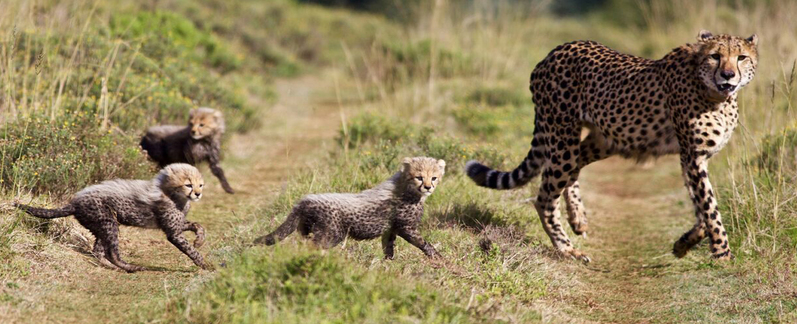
561 172
99 253
576 213
109 236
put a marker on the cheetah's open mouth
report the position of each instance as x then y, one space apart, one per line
726 87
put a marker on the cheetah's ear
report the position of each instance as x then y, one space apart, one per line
442 164
704 35
192 113
406 164
753 39
217 114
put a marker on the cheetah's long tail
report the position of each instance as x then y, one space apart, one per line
489 178
47 213
288 227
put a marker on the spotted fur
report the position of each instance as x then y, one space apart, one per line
198 142
392 208
160 203
684 103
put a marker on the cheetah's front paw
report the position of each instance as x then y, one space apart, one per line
577 255
680 248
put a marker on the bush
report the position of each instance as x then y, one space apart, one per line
64 155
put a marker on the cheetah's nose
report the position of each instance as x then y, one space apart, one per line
727 74
428 187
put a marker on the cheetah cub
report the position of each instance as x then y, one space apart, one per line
161 203
198 142
392 208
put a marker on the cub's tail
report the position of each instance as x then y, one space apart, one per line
47 213
288 227
486 177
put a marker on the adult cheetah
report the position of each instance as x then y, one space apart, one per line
684 103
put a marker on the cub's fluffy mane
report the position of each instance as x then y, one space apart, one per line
373 196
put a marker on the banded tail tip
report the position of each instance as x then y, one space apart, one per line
477 171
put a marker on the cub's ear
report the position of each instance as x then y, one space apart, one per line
406 163
704 35
441 164
192 113
753 39
217 114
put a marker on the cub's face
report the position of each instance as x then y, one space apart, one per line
205 122
423 173
183 179
726 63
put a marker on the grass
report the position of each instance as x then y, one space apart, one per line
450 83
295 284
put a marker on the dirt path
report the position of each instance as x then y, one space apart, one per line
297 130
636 214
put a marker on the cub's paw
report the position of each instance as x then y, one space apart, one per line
199 241
207 266
724 256
133 268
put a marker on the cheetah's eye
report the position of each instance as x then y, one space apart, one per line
202 185
201 125
434 178
189 186
716 56
741 57
419 178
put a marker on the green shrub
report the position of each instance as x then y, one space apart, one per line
64 155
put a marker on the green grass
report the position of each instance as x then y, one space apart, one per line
297 284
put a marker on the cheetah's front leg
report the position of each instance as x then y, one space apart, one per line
199 231
217 171
413 236
695 168
181 243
